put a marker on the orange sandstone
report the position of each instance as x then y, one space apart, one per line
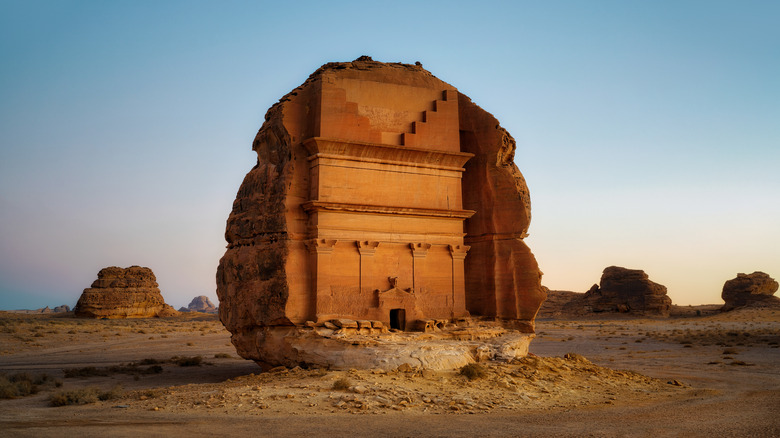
380 194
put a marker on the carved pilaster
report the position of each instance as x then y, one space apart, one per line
320 251
366 248
458 253
419 251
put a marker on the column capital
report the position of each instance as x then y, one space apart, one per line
420 249
367 247
320 246
458 252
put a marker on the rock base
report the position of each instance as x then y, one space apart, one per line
342 348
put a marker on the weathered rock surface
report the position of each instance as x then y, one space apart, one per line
201 304
344 348
380 193
123 293
756 289
621 290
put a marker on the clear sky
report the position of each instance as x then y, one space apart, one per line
648 131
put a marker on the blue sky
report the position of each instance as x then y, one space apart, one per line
648 132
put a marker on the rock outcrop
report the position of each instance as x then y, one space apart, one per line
628 290
621 291
383 194
754 290
123 293
200 304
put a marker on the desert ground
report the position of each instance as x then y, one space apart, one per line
714 375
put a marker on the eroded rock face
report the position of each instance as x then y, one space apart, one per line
201 304
123 293
754 289
380 193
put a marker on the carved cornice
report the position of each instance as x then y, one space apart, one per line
383 153
383 209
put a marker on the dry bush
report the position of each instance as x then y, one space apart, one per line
84 396
194 361
342 384
473 371
24 384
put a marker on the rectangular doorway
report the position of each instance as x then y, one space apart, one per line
398 319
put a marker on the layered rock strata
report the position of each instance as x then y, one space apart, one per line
123 293
756 289
380 193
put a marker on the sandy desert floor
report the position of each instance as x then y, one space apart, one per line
716 375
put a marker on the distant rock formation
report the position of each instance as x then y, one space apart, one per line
754 290
628 290
621 290
200 304
61 309
123 293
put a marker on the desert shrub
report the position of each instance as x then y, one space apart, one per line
79 396
194 361
22 384
473 371
222 356
82 396
113 393
131 368
342 384
151 361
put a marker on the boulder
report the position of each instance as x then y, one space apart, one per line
123 293
754 290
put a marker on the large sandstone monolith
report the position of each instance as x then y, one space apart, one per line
383 195
123 293
628 290
756 289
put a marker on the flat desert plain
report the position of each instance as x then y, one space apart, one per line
716 375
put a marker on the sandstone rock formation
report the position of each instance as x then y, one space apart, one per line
123 293
380 194
756 289
628 290
201 304
621 290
